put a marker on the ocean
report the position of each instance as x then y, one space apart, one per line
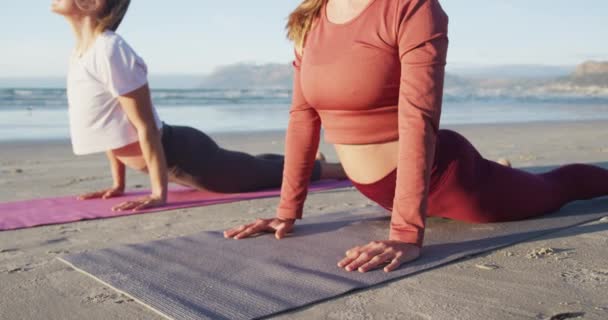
41 114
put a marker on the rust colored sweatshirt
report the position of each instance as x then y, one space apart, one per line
374 79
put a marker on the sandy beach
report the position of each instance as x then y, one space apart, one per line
569 276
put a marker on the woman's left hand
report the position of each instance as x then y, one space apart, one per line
378 253
148 202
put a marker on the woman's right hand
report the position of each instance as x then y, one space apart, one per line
280 228
104 194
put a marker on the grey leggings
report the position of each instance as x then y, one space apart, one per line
195 160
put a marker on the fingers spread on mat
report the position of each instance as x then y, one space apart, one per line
379 253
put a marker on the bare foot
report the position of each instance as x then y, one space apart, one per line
504 162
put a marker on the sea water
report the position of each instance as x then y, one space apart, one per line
37 114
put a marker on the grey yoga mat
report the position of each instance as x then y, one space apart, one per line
205 276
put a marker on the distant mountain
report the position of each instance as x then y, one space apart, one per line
589 80
511 71
591 73
591 68
175 81
244 75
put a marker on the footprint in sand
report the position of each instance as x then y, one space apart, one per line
107 296
12 270
540 253
101 298
54 241
58 252
15 270
559 254
585 277
77 180
487 266
9 250
121 301
567 315
70 231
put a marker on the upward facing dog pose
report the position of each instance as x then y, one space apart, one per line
110 110
371 72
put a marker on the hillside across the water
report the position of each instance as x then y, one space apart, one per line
591 73
589 79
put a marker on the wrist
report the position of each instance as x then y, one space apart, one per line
159 194
159 187
410 237
118 186
289 213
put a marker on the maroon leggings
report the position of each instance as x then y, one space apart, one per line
465 186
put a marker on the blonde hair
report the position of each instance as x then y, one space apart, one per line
112 14
301 20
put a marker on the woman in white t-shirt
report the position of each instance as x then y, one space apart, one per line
111 110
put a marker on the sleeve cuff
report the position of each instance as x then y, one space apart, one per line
283 213
412 237
118 92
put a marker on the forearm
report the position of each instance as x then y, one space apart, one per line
416 155
118 170
154 156
301 144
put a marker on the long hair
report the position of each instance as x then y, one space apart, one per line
112 14
301 20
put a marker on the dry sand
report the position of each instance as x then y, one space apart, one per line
566 272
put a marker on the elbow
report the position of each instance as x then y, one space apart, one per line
148 133
432 122
420 119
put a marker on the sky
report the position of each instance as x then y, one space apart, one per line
196 36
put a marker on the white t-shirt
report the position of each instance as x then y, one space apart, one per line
109 69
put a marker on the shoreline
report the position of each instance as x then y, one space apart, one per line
268 133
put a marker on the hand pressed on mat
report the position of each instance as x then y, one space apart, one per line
148 202
104 194
378 253
366 258
280 228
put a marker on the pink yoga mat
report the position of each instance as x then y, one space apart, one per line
32 213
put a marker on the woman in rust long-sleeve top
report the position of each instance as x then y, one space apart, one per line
371 73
